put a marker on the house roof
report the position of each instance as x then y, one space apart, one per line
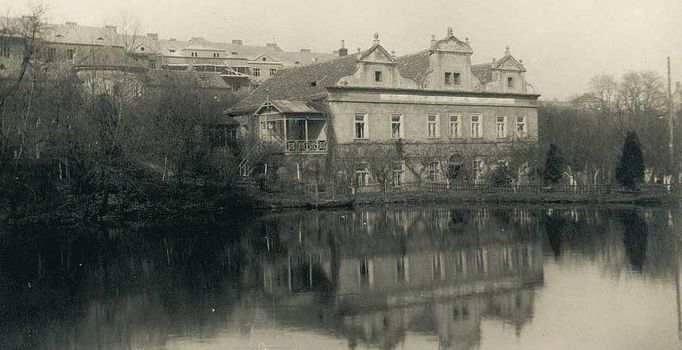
415 66
300 83
483 71
288 106
205 80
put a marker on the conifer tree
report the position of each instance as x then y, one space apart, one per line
630 169
554 165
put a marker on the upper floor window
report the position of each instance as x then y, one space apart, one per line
501 127
70 53
378 77
152 64
452 78
455 128
510 82
194 54
361 126
521 126
216 55
432 124
456 79
398 174
256 72
273 71
264 59
475 126
396 126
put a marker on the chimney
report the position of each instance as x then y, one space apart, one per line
153 36
237 42
71 24
273 45
343 51
305 50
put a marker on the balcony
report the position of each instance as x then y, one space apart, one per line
303 146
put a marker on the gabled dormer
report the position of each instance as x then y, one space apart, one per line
450 64
508 75
376 67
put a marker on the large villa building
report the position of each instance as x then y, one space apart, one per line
374 117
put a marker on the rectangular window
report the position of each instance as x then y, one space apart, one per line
152 64
193 54
361 177
236 86
437 263
70 53
378 76
398 174
478 167
51 53
456 79
501 127
361 126
396 126
273 71
510 82
460 263
475 126
4 49
448 78
432 124
256 72
216 55
433 171
455 129
521 126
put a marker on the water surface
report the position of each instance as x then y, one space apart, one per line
373 278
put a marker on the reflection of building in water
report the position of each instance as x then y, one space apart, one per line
374 275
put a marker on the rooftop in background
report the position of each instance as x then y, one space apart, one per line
73 33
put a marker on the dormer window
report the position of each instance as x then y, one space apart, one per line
510 82
216 55
171 51
142 48
456 79
264 59
193 54
378 77
452 78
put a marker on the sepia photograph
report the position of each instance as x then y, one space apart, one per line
340 175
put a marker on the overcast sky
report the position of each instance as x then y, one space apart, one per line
562 43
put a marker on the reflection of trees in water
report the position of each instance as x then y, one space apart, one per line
93 285
617 240
635 234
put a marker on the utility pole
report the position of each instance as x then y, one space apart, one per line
673 167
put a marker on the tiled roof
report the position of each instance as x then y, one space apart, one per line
483 71
289 106
415 66
206 80
300 83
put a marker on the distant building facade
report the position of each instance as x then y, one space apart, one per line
430 113
242 67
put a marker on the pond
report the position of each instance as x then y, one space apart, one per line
404 277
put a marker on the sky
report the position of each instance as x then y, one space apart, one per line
562 43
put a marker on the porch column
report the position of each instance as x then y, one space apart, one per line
285 130
306 131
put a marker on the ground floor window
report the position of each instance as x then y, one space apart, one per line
361 177
398 174
433 171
